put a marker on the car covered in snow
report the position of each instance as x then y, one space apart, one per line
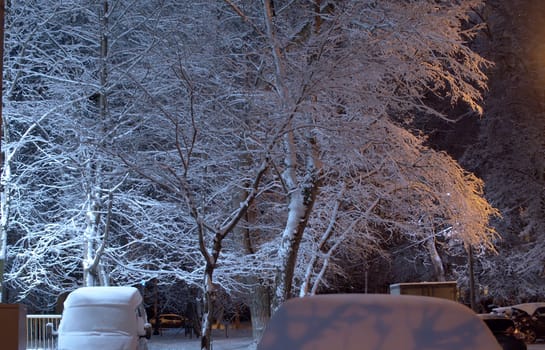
375 322
105 318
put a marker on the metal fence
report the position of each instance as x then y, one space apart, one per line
36 334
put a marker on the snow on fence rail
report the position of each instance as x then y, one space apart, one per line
36 334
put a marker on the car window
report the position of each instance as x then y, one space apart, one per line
540 312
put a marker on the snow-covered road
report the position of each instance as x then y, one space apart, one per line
237 339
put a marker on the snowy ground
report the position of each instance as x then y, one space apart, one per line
236 339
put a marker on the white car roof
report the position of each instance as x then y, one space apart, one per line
104 296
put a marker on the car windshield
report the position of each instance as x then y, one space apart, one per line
99 318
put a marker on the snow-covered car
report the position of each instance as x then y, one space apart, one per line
529 319
375 322
105 318
505 331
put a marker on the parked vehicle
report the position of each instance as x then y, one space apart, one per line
105 318
170 321
505 331
529 319
375 322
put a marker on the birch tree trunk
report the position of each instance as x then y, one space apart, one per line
209 296
301 199
90 236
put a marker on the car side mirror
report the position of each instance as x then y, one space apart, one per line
50 330
147 328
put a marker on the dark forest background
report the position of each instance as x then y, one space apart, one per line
506 147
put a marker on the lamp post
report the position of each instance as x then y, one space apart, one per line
471 278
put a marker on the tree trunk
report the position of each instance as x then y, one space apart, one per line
4 207
90 236
93 270
301 204
436 260
260 310
307 287
209 297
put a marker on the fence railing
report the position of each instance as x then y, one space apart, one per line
36 334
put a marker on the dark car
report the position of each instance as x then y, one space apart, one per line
530 320
505 331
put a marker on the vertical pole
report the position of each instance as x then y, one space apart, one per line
366 280
471 279
155 308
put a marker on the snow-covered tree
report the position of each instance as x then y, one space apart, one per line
333 66
70 109
229 144
393 188
281 90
